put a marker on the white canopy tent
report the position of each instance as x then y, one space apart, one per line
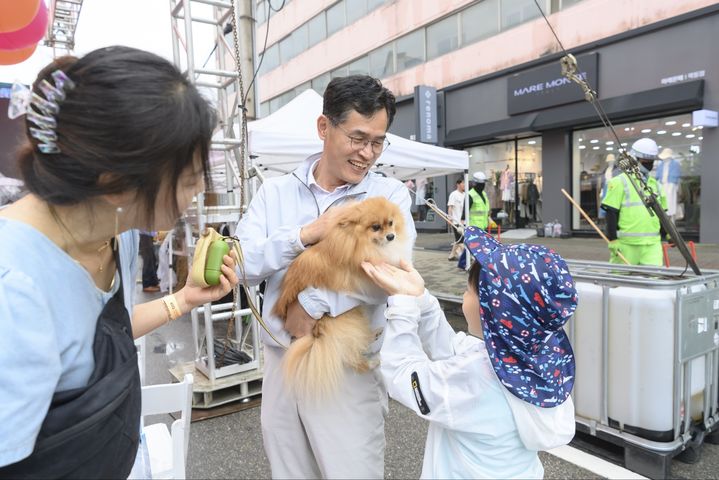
279 142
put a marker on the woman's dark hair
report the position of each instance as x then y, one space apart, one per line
131 116
473 280
361 93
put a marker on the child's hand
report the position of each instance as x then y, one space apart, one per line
396 281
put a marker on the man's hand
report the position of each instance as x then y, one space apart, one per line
316 231
298 322
614 246
396 281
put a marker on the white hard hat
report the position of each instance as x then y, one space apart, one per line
645 149
666 153
480 177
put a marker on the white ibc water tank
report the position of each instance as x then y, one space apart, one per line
586 325
641 359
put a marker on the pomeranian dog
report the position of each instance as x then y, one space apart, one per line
373 231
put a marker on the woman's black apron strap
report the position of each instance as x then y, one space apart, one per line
93 431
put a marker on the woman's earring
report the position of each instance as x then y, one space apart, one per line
118 211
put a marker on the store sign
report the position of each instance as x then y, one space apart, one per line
425 105
683 77
545 86
705 118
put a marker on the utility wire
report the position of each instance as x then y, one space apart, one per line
264 50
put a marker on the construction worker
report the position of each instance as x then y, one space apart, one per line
478 202
479 209
631 228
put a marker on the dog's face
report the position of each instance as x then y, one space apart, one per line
376 226
380 227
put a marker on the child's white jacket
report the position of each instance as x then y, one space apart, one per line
478 429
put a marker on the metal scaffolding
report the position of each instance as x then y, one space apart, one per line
226 198
64 15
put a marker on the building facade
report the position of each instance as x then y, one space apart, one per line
501 96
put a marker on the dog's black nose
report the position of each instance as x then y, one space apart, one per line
390 236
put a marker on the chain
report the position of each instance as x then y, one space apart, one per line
243 141
242 107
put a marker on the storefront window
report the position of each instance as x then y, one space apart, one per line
594 163
514 179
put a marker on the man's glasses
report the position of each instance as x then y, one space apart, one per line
357 143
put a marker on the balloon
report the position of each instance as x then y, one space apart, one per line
11 57
28 35
16 14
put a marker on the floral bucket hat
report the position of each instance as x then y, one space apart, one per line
526 295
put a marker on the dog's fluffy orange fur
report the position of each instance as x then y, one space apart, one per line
372 230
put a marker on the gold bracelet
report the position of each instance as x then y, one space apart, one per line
171 307
167 311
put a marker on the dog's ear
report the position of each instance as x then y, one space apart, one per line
348 215
347 221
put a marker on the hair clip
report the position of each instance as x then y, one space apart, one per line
51 93
62 81
45 109
48 107
42 121
19 100
44 135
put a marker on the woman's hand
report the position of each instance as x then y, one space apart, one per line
193 295
404 280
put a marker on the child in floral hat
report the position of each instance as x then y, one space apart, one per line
497 396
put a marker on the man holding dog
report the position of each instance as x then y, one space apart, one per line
342 437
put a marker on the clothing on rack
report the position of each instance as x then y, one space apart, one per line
669 173
506 185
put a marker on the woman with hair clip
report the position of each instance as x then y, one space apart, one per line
117 141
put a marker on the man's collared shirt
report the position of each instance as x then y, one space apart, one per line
324 198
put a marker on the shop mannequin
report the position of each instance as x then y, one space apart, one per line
532 199
506 184
668 175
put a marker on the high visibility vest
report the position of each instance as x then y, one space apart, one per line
479 211
636 225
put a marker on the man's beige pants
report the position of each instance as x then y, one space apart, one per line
340 437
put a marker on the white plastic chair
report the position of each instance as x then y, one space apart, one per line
140 344
168 449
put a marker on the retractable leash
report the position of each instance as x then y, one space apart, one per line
207 264
444 216
237 248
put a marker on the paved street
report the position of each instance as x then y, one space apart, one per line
230 446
